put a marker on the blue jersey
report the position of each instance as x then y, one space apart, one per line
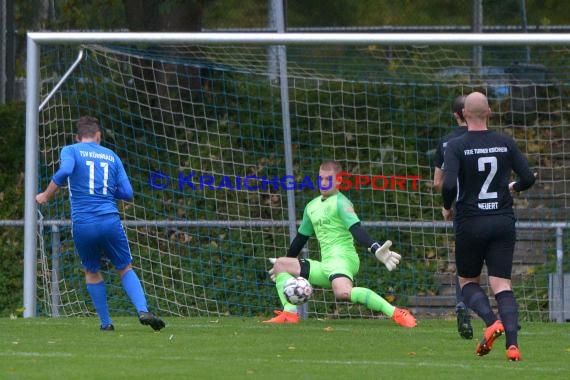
96 178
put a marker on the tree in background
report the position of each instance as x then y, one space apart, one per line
164 16
195 15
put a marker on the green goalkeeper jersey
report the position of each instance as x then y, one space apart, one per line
329 220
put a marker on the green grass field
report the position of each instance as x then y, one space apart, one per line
244 348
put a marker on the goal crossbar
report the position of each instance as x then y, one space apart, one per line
306 38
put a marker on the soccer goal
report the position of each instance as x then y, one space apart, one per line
222 136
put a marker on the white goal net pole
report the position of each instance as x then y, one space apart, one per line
31 182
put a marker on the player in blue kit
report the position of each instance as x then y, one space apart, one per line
96 179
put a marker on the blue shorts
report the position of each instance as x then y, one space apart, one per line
104 237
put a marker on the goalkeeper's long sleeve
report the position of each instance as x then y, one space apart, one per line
297 245
361 236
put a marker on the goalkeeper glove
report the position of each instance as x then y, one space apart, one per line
389 258
272 260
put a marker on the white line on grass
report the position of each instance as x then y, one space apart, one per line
37 354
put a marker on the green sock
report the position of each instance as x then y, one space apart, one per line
371 300
280 281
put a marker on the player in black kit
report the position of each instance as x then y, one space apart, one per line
457 110
464 327
477 175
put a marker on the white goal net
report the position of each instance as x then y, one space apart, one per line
200 130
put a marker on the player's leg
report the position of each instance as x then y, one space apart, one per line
97 290
133 287
470 251
508 310
340 272
341 277
471 244
499 266
374 301
116 246
86 239
464 327
476 298
285 268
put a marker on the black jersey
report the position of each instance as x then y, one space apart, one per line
478 169
439 152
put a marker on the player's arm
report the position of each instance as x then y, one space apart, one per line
124 189
438 179
438 172
67 164
297 245
361 236
382 252
520 166
47 194
305 231
450 173
352 222
449 185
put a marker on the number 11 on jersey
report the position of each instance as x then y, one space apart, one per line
105 166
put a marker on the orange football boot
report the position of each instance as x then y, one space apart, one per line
404 318
491 333
513 353
284 317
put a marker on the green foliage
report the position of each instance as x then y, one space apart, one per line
11 205
12 152
235 14
110 14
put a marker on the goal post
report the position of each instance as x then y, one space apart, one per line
194 110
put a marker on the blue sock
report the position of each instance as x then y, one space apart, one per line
98 295
134 290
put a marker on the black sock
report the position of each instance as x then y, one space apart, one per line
477 300
509 312
458 295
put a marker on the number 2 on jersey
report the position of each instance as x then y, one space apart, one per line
105 166
482 163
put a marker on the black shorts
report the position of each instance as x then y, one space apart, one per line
488 240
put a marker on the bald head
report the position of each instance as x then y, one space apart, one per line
476 111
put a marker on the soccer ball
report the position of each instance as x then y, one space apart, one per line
297 290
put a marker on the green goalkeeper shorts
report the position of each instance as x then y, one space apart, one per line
321 272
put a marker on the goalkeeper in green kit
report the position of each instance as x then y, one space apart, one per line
331 219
